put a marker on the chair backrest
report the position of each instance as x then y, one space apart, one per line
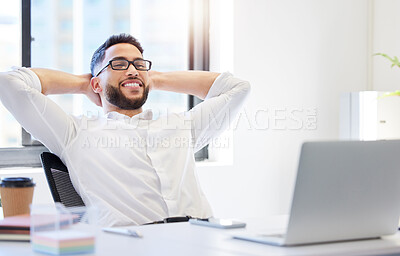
60 184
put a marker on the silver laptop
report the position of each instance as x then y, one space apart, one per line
345 190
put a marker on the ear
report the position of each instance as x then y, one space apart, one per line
95 84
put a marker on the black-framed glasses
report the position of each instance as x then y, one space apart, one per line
139 64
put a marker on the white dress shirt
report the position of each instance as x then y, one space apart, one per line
134 170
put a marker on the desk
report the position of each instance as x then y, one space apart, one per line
186 239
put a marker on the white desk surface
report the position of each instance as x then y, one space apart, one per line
186 239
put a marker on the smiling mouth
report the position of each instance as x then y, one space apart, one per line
132 85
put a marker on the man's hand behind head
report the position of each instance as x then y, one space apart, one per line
153 81
88 91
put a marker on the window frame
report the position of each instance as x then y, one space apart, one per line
28 154
199 50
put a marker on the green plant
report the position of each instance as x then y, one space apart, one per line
395 62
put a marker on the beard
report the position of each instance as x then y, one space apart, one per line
118 99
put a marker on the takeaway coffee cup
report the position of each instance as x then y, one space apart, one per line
16 195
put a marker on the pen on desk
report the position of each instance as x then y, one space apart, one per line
123 231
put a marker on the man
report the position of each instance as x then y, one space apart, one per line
134 169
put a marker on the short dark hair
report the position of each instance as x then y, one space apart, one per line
99 54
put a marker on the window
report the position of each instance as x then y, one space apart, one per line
10 52
66 37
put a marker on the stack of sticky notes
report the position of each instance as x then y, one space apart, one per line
63 242
17 228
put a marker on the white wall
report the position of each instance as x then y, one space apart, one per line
386 30
297 55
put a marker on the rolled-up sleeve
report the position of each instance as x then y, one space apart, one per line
219 109
20 93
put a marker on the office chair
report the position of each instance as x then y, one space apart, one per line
60 184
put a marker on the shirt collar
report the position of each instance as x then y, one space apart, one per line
145 115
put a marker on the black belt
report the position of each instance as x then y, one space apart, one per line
174 219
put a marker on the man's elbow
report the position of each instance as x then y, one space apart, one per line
6 84
245 88
8 78
4 78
